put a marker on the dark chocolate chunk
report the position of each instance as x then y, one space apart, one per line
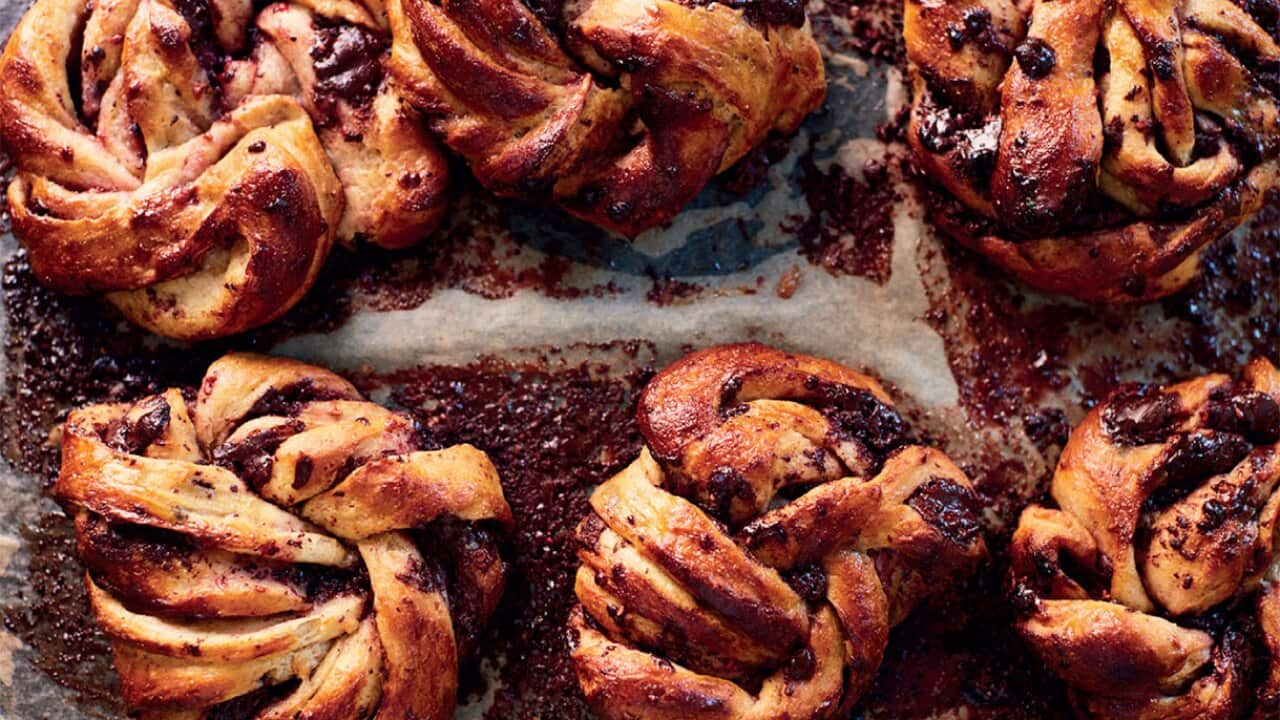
133 435
948 506
1036 58
1141 414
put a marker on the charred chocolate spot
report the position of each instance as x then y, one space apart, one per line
977 20
348 64
1161 61
252 458
729 391
809 583
133 435
858 414
759 533
976 27
1252 414
937 132
762 12
288 400
1215 514
1035 57
252 703
1191 459
801 666
1141 414
724 486
302 472
948 506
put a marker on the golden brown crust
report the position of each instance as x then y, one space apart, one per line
1098 147
702 597
211 584
197 173
627 119
1166 516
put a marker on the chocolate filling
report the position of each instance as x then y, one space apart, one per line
1141 414
135 434
348 65
253 457
950 507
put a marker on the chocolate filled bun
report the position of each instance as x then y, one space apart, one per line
196 160
620 111
1094 148
1150 589
752 561
280 548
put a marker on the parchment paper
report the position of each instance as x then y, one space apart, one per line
890 328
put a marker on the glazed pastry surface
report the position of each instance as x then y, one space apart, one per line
279 548
751 562
1150 588
1095 148
620 111
197 160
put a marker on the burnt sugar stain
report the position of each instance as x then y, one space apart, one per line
870 28
848 228
56 623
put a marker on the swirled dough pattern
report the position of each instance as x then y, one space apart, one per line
279 549
1098 146
1152 584
196 159
618 110
751 562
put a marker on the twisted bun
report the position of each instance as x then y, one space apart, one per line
618 111
702 596
280 544
1165 527
196 162
1104 145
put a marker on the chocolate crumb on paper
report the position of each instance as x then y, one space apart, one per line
849 227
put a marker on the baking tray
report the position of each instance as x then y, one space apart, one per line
528 333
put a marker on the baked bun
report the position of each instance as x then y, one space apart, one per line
280 547
620 111
751 562
1095 148
1149 587
196 160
